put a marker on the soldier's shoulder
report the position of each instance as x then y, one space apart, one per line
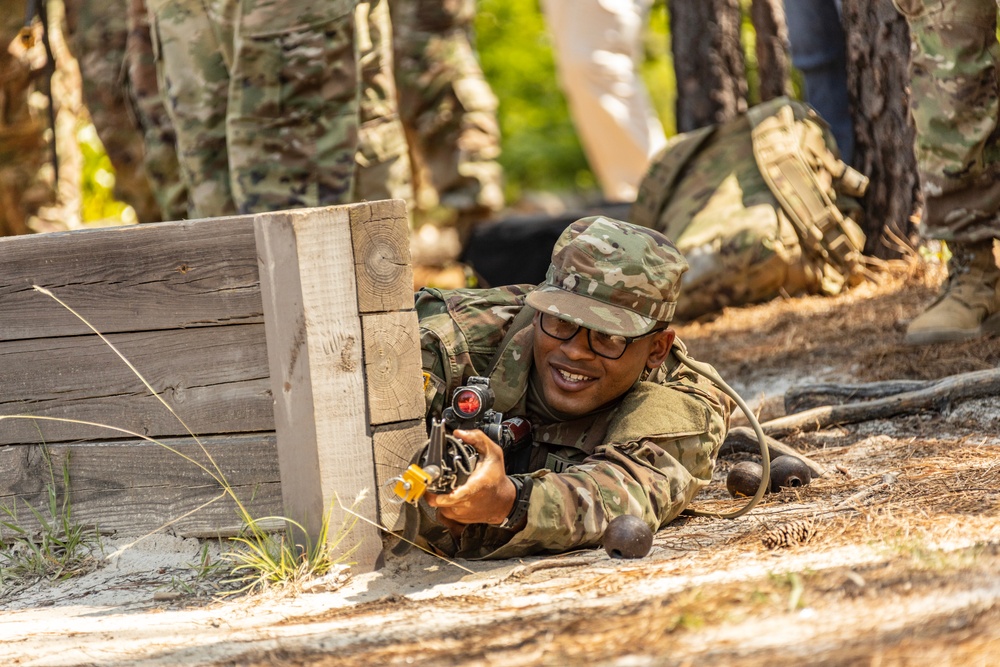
658 410
487 303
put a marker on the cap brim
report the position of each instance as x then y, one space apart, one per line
591 313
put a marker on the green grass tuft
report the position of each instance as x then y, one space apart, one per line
58 549
264 559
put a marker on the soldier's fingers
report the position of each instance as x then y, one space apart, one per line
479 440
455 499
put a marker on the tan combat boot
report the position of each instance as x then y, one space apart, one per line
968 306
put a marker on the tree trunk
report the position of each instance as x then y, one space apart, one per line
768 18
708 61
878 54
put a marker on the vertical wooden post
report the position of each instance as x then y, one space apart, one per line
343 353
392 344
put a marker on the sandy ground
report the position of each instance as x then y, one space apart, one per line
900 565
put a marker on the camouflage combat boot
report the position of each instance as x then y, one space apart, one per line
968 305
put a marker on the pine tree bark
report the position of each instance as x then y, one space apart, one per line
708 61
878 55
768 18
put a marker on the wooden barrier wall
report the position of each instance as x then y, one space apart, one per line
334 339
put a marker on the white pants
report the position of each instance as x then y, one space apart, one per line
598 46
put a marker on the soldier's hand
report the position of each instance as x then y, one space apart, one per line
488 496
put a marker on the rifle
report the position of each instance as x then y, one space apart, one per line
446 463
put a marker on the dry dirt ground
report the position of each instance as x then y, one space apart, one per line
901 565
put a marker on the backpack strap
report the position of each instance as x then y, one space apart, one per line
505 395
823 230
657 186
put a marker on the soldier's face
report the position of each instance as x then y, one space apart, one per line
576 381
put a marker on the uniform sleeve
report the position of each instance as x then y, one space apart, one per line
437 329
653 477
448 356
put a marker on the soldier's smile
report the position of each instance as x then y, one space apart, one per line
572 381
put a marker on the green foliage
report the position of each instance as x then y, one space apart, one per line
540 147
658 67
58 549
97 182
205 577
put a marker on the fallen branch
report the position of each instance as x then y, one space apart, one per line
806 397
743 439
935 397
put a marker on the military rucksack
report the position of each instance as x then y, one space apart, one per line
761 206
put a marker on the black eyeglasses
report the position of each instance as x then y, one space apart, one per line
609 346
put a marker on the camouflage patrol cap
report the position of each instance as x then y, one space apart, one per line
611 276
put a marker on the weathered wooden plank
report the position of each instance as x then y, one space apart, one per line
135 486
145 277
314 349
215 378
395 446
380 239
392 367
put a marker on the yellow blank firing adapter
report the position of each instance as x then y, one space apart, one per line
411 484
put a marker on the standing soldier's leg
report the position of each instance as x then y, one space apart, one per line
293 105
383 158
598 49
448 109
160 155
192 41
23 151
955 102
97 34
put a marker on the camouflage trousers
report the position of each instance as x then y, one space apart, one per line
383 159
955 104
150 115
263 95
447 108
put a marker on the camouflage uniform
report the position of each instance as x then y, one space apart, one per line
97 32
383 159
23 149
647 454
159 139
955 104
447 108
263 95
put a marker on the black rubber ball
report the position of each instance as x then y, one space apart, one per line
789 471
627 536
744 479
